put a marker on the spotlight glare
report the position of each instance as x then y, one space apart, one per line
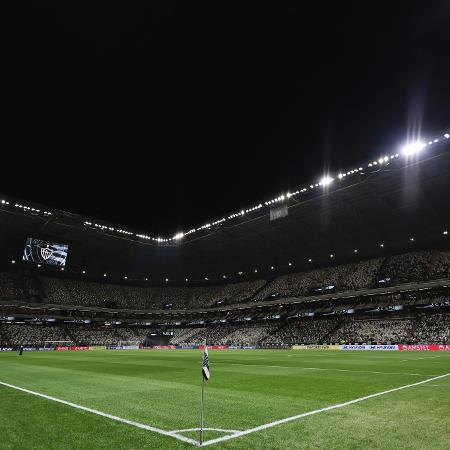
325 181
413 148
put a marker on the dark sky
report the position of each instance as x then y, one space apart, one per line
167 115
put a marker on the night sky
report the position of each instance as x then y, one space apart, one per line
165 116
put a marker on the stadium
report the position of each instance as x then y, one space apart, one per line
331 318
225 226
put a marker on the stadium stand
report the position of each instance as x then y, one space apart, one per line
430 328
32 334
303 332
408 267
271 324
373 331
10 286
434 328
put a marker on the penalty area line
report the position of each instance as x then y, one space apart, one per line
317 411
102 414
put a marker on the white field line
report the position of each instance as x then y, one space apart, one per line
235 432
426 357
109 416
317 411
205 429
336 370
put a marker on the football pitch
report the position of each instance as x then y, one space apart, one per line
255 399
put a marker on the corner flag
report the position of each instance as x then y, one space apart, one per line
205 365
205 377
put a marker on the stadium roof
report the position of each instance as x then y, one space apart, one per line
397 202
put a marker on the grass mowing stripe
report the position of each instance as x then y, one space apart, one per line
331 369
100 413
317 411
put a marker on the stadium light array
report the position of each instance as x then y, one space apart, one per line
445 232
407 150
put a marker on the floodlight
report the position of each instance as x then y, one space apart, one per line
326 180
412 148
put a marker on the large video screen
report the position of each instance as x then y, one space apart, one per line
45 252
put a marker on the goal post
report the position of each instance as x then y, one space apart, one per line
134 344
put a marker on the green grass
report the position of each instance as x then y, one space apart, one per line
247 388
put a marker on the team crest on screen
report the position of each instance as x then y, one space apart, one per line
46 253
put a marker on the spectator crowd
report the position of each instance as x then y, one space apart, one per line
408 267
429 328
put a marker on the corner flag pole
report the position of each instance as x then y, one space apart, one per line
202 412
